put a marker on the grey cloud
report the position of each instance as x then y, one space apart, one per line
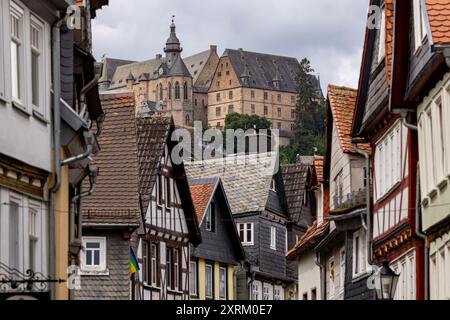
330 33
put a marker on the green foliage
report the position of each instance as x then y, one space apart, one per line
243 121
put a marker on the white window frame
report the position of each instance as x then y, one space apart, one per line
210 218
331 278
420 29
360 264
154 264
382 38
102 255
405 266
3 22
193 278
18 201
245 228
38 24
210 279
342 269
223 285
34 211
256 291
273 238
176 269
145 264
19 12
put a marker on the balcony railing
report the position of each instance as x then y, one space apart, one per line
350 200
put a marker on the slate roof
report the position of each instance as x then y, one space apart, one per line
201 193
137 69
109 67
439 17
342 101
295 177
311 238
264 68
196 63
115 201
246 178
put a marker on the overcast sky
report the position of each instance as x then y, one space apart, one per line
328 32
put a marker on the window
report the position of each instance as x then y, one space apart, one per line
203 102
266 96
218 125
169 268
256 290
37 64
314 294
279 97
176 269
279 125
219 74
14 236
359 254
266 110
94 256
382 39
188 120
252 94
228 73
277 293
389 150
33 236
305 296
155 264
342 270
293 99
161 93
331 278
292 114
405 267
223 288
217 96
218 84
279 112
230 109
177 91
17 53
292 126
246 233
273 238
420 29
170 91
266 293
209 281
185 91
210 218
230 95
218 111
160 189
193 278
338 189
253 109
145 265
195 102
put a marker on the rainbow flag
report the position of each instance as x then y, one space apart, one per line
134 266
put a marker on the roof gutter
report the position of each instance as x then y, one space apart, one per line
444 50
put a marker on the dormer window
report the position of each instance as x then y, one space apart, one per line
210 218
419 23
382 40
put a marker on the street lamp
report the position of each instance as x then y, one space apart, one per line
387 282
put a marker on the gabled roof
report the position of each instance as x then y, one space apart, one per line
310 239
246 178
115 201
197 62
439 18
202 192
263 69
110 66
178 68
296 183
137 69
342 103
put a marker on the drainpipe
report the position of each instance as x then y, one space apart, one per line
444 50
56 74
89 140
367 224
323 277
422 236
404 114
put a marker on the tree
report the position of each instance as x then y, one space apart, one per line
244 121
310 117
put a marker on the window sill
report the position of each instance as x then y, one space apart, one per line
94 273
18 106
247 244
174 291
361 276
40 117
151 287
3 99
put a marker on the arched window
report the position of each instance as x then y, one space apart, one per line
187 119
185 91
170 91
161 93
177 91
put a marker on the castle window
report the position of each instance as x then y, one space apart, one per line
230 109
218 97
252 93
161 93
185 91
195 102
279 97
292 114
266 96
230 95
279 112
279 125
170 91
218 111
266 110
177 91
228 73
188 120
253 109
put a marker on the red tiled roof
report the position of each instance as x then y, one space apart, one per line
318 167
439 17
115 200
201 195
343 103
312 236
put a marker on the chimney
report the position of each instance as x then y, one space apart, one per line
213 48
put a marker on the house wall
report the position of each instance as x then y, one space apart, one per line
439 266
340 162
115 283
271 261
309 277
201 281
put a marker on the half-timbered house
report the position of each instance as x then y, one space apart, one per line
420 92
169 224
394 155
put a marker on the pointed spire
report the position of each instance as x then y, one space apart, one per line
173 44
